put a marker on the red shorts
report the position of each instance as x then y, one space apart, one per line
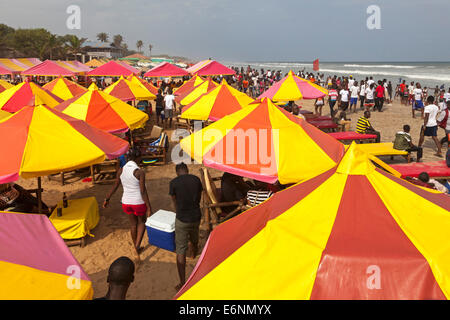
136 209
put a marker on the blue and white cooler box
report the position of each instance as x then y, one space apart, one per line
161 229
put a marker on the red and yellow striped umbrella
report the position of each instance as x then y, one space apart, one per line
129 91
292 88
103 111
39 141
353 232
266 143
36 264
64 88
202 88
4 85
146 84
26 94
216 103
187 88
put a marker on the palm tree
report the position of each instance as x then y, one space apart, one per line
139 45
75 44
102 37
53 42
150 47
117 40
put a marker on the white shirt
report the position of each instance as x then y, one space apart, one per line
433 111
131 186
169 99
439 186
354 90
344 95
351 82
369 94
362 90
369 82
418 94
411 89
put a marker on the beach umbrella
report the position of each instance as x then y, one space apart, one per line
4 70
5 85
129 91
4 114
187 87
292 88
48 68
64 88
353 232
210 68
166 69
202 88
39 141
36 264
103 111
266 143
113 69
216 103
150 87
26 94
94 63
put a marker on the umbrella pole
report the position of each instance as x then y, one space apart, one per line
39 196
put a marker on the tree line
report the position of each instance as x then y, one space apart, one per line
40 43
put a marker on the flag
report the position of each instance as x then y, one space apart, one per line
316 65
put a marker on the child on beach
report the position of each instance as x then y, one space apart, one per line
318 106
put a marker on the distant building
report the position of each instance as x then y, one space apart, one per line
98 50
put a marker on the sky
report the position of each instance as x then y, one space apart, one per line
254 30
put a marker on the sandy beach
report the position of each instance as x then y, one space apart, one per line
156 274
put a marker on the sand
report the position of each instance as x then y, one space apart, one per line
156 274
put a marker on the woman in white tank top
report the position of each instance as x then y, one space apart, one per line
135 202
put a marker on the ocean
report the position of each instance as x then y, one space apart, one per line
429 74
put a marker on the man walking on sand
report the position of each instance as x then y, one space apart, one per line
430 126
186 191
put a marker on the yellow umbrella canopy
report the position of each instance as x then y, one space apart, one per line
266 143
103 111
126 90
27 94
202 88
64 88
292 88
352 232
216 103
42 141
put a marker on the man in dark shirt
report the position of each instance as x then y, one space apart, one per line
120 277
186 191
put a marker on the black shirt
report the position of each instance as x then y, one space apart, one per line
187 189
159 101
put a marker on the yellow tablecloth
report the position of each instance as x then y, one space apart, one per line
381 149
80 216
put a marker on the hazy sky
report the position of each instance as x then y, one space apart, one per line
254 30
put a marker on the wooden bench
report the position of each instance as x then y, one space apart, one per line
105 172
384 149
347 137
